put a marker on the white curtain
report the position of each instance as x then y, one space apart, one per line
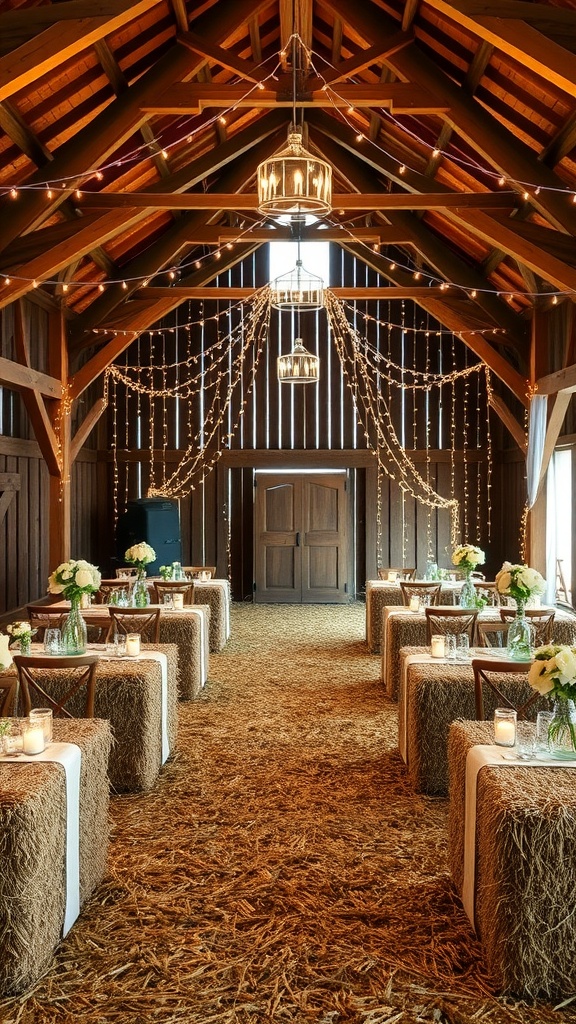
536 438
551 534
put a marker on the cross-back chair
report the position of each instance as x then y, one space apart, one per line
41 617
127 572
174 587
541 620
491 634
8 692
401 573
145 621
451 620
195 570
108 587
426 591
45 678
489 591
484 671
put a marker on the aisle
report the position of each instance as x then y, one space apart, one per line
282 871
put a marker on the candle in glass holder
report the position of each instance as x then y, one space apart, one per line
178 601
133 645
33 741
505 727
437 646
43 717
414 603
392 577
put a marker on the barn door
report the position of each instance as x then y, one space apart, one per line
300 538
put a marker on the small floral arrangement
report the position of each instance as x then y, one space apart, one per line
520 582
467 557
21 631
5 656
166 572
74 578
140 555
553 673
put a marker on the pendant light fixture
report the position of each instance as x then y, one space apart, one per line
298 366
298 288
294 180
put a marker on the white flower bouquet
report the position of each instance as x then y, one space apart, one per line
74 578
553 673
140 555
21 631
520 582
5 656
467 557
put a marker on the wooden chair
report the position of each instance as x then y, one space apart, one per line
402 574
489 591
108 587
484 669
42 617
34 676
541 620
174 587
195 570
145 621
426 591
8 692
127 572
491 634
451 620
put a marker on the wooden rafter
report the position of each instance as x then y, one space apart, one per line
193 98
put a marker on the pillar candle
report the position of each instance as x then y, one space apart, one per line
33 739
414 604
133 645
178 600
504 732
437 646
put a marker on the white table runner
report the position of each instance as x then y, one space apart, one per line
479 757
69 756
224 586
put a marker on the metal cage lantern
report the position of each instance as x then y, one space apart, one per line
299 366
298 289
294 180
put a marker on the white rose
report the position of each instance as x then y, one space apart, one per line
67 574
5 656
566 662
84 578
539 677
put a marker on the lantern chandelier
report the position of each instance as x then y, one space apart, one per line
294 180
298 366
298 288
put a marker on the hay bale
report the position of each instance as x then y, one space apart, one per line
525 867
382 595
32 850
436 694
186 631
216 595
403 629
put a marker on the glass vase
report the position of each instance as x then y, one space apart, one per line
140 592
562 730
468 593
26 645
519 642
74 633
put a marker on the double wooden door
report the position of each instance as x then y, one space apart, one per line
300 538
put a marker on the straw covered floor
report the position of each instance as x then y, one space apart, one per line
282 870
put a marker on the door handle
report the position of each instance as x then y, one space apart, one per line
297 540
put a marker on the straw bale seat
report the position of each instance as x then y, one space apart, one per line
380 594
433 695
525 874
216 594
33 852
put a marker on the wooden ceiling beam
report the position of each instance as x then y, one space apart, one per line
518 39
193 98
381 235
61 41
105 133
348 201
428 243
219 55
496 143
97 232
365 58
509 420
385 293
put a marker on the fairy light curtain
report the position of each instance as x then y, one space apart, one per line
190 397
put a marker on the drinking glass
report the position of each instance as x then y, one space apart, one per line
168 600
43 717
52 641
450 647
463 651
543 719
526 740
